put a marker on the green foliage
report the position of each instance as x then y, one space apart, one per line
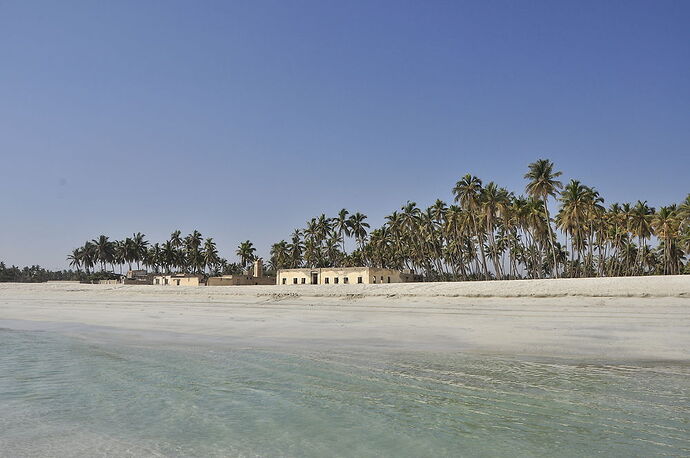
491 233
35 274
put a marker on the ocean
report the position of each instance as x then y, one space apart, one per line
83 395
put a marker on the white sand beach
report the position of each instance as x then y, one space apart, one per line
641 318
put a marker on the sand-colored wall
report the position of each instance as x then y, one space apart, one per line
341 276
295 276
326 276
377 275
344 276
176 281
240 280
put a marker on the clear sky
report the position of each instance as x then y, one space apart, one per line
245 119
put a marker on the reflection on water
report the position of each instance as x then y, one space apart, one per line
64 396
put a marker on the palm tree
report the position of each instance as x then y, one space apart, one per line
169 256
640 225
139 248
246 253
542 185
279 255
666 225
210 254
154 257
358 228
571 219
467 192
453 243
75 258
493 202
88 256
104 251
295 249
684 212
342 226
175 239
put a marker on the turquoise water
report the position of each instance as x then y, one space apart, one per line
77 396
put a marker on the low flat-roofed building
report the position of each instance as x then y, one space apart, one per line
178 280
255 276
138 277
341 276
238 280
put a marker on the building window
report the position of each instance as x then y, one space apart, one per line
294 281
389 279
336 280
346 280
374 279
304 280
359 280
284 280
381 278
325 280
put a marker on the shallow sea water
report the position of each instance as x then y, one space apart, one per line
74 396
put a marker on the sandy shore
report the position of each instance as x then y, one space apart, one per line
645 318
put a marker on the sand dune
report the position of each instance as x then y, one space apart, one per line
607 319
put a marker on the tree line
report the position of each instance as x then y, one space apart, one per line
488 232
35 274
188 254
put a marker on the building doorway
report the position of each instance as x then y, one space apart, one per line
314 278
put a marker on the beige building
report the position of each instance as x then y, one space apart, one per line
341 276
178 280
238 280
253 277
137 277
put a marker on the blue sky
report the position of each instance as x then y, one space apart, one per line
245 119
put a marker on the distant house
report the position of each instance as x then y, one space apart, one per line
342 276
178 280
253 277
137 277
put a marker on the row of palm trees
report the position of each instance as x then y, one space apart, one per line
189 254
489 232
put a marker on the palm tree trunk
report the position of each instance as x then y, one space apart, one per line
551 241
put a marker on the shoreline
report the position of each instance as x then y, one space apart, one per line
643 286
645 318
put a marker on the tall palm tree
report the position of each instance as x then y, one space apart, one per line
467 192
89 257
542 185
246 253
684 211
169 256
104 251
210 253
342 226
666 225
493 201
139 248
154 257
75 258
640 225
571 219
279 255
296 249
176 239
358 228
